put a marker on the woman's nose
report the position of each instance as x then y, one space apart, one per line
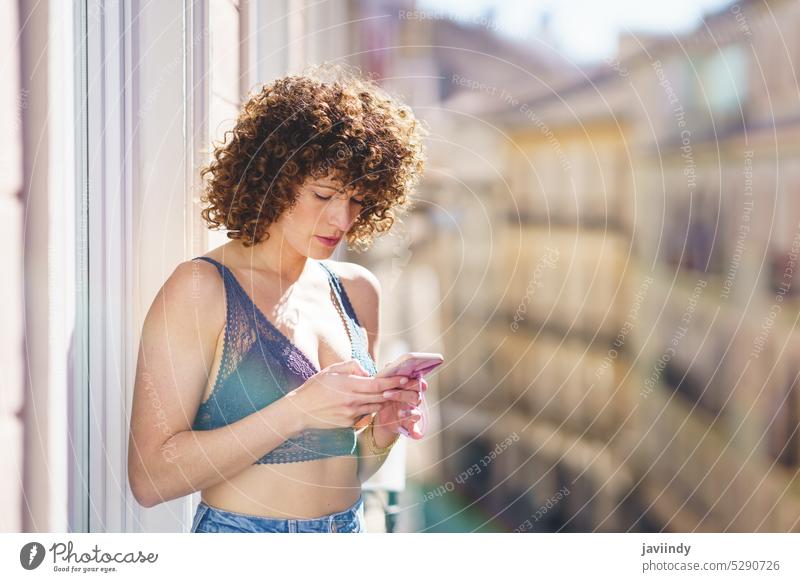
340 215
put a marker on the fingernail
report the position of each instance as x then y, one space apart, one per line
388 394
404 380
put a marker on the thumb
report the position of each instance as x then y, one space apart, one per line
351 366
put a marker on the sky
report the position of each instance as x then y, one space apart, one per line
586 30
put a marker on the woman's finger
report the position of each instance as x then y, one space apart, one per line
409 396
411 427
410 413
375 385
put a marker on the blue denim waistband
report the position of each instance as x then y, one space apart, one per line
210 519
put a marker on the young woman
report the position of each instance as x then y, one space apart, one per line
257 360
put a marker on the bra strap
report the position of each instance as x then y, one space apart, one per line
220 267
341 294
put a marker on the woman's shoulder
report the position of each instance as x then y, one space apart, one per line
358 278
194 287
364 291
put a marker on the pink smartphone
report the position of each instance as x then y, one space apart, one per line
414 365
411 364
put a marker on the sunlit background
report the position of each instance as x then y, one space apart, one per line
604 249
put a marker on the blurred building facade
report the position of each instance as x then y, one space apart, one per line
639 328
718 417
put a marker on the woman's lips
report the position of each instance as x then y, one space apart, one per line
331 242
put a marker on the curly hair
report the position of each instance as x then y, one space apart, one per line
308 126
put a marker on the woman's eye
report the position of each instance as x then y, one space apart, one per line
359 202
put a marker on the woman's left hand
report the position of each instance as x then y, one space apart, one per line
402 409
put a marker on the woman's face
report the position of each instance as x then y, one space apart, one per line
319 220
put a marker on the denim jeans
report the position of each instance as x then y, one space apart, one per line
209 519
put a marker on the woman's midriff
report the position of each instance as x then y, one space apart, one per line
301 490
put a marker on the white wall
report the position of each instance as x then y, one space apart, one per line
12 105
48 273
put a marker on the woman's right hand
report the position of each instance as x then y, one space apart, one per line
338 395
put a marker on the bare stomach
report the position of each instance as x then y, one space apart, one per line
300 490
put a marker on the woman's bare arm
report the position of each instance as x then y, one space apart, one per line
166 458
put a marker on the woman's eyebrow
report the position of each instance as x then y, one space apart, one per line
325 186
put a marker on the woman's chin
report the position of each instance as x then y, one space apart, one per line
317 249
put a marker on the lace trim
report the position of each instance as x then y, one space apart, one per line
313 444
358 338
342 294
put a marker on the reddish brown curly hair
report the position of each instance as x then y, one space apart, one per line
329 121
